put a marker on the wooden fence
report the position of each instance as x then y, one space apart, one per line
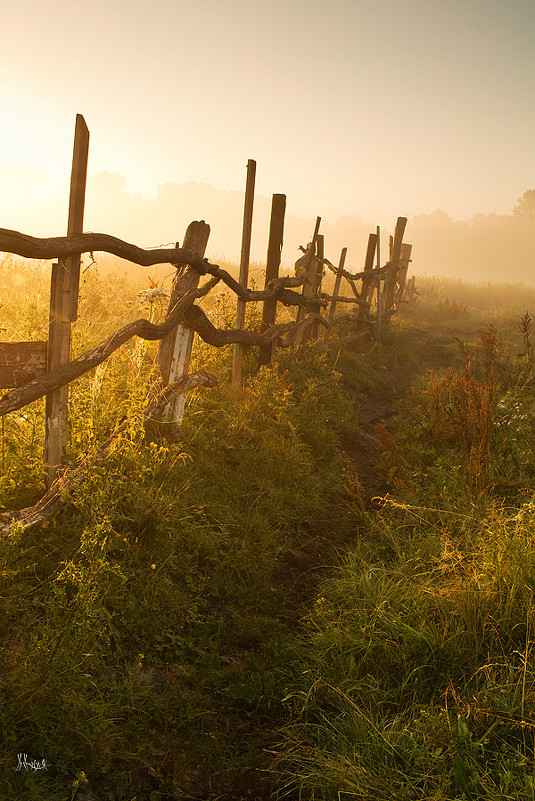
36 369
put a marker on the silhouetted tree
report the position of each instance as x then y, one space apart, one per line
526 205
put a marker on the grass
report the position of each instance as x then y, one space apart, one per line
147 629
419 682
215 614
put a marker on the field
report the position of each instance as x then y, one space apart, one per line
319 587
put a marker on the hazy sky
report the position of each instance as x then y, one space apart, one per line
375 108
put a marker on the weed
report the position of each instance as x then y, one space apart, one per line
155 640
525 330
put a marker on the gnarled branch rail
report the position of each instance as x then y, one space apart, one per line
61 247
377 271
17 398
185 312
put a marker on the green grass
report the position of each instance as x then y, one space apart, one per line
417 676
214 614
463 307
147 629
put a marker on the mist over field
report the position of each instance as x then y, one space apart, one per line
488 247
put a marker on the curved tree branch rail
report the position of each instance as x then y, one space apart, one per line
61 247
351 277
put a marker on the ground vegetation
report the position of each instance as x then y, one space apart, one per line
319 587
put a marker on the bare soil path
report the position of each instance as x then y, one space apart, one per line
430 350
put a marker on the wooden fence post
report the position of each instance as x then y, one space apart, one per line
391 278
174 352
317 278
276 235
404 262
336 290
64 308
244 263
305 266
378 262
367 285
76 205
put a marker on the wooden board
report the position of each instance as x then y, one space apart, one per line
21 362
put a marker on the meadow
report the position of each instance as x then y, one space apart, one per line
237 609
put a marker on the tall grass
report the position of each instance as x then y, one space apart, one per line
177 632
146 630
465 306
417 677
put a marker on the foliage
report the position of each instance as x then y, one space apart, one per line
146 631
526 205
417 679
179 630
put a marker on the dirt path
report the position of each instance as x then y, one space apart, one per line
302 568
430 350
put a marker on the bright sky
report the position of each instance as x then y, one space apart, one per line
375 108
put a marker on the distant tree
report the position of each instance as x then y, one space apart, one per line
526 205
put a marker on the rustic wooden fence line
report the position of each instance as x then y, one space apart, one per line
184 318
37 369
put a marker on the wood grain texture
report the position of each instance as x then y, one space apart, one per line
21 362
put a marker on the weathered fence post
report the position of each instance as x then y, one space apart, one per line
304 267
76 206
64 309
367 285
174 352
392 275
317 279
404 262
244 262
276 235
337 282
379 309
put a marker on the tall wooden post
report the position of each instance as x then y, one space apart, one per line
404 262
367 288
317 278
391 279
276 234
64 308
367 284
244 262
337 283
379 308
305 266
174 352
76 205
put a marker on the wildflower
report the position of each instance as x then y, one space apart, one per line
80 778
150 295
